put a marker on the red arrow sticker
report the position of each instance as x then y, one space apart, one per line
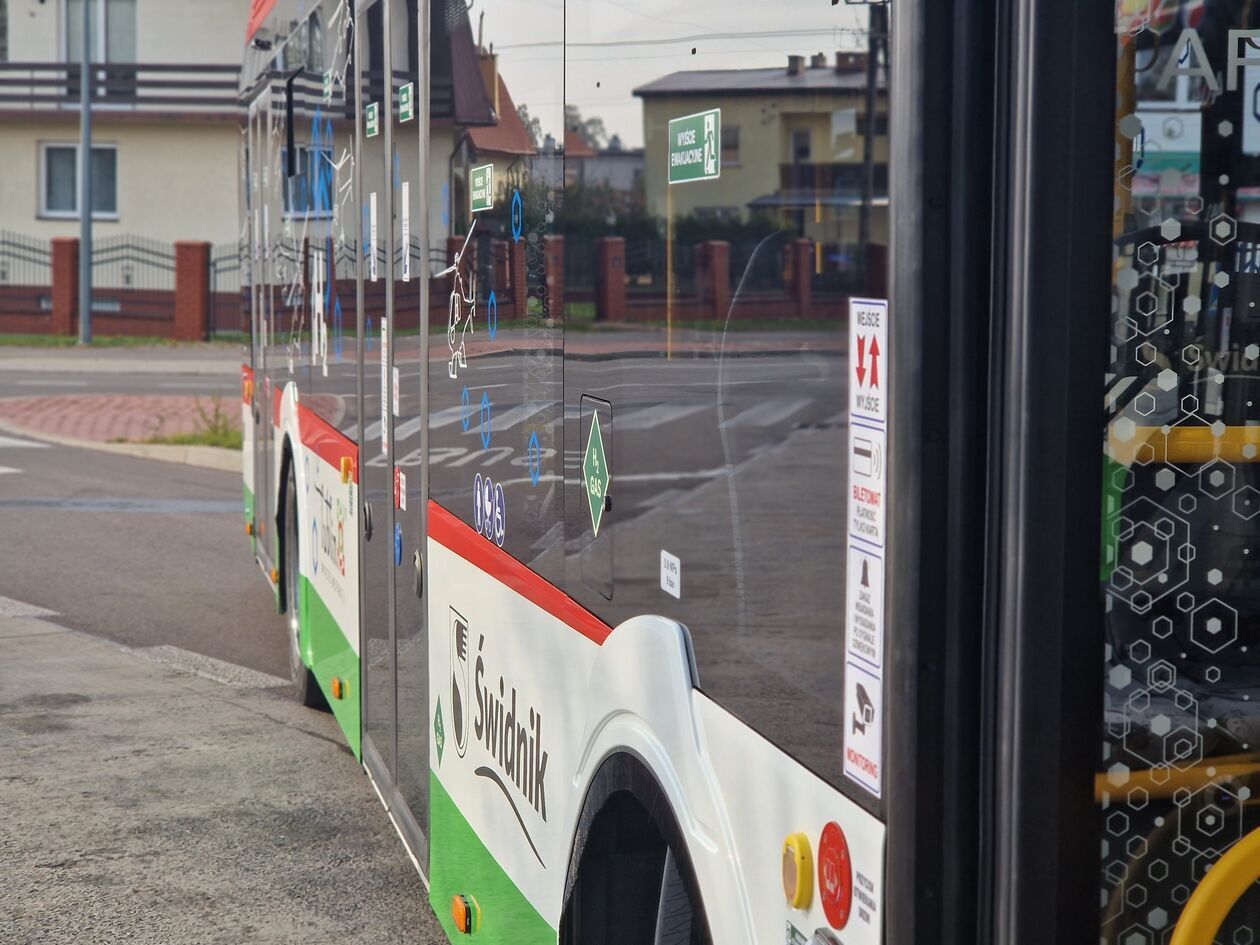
835 876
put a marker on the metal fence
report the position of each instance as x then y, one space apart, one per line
133 277
25 274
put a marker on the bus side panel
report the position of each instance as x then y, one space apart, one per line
768 796
502 805
247 449
329 565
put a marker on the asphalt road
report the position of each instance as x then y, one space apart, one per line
112 783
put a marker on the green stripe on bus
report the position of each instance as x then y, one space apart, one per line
327 651
460 864
248 503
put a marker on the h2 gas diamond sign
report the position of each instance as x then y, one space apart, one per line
595 473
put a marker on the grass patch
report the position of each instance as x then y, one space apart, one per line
213 428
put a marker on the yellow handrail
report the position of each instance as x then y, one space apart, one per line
1224 884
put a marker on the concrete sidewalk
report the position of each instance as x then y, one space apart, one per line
99 421
145 804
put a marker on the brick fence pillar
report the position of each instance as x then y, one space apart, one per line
553 259
802 268
65 285
192 291
610 279
518 277
716 287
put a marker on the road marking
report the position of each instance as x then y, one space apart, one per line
16 608
207 667
767 414
10 442
52 383
650 418
8 469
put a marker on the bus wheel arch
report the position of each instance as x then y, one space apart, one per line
305 686
631 878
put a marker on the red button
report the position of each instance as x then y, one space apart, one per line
835 876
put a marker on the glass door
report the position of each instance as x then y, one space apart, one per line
1180 753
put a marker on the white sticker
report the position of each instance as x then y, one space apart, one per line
396 392
863 724
406 231
402 490
266 232
372 239
671 574
868 452
868 357
384 381
864 572
864 607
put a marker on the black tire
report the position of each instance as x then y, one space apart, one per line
305 686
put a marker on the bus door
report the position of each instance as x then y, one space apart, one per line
263 187
409 383
393 657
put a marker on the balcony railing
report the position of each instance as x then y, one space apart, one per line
831 178
146 87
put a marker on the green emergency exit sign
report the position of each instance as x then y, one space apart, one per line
407 102
371 119
694 141
481 188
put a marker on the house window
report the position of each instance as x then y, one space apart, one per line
308 192
59 184
113 30
730 145
305 46
800 146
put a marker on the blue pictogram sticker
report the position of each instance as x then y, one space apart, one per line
492 315
465 409
534 453
518 216
485 420
397 544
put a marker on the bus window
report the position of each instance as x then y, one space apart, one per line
706 301
1181 752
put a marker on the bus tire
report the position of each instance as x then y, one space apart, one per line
630 878
305 686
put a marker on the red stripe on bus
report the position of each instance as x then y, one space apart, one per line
326 442
449 531
247 383
258 10
275 412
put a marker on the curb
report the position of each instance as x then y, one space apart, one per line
205 457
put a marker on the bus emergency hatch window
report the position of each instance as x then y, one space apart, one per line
724 199
1180 523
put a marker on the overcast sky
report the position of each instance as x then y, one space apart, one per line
615 46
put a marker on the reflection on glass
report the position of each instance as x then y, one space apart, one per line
1181 751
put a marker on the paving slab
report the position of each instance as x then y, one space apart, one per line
143 803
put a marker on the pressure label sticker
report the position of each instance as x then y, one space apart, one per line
384 386
406 231
864 572
372 236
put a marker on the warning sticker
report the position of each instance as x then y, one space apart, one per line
863 726
868 503
864 607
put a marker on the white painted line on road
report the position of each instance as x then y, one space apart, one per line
15 608
52 383
768 413
207 667
649 418
8 469
11 442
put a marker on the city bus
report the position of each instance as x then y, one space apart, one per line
673 441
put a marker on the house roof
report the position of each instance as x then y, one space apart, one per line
472 104
507 136
775 80
576 146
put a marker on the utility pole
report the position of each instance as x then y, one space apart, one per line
85 181
877 39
